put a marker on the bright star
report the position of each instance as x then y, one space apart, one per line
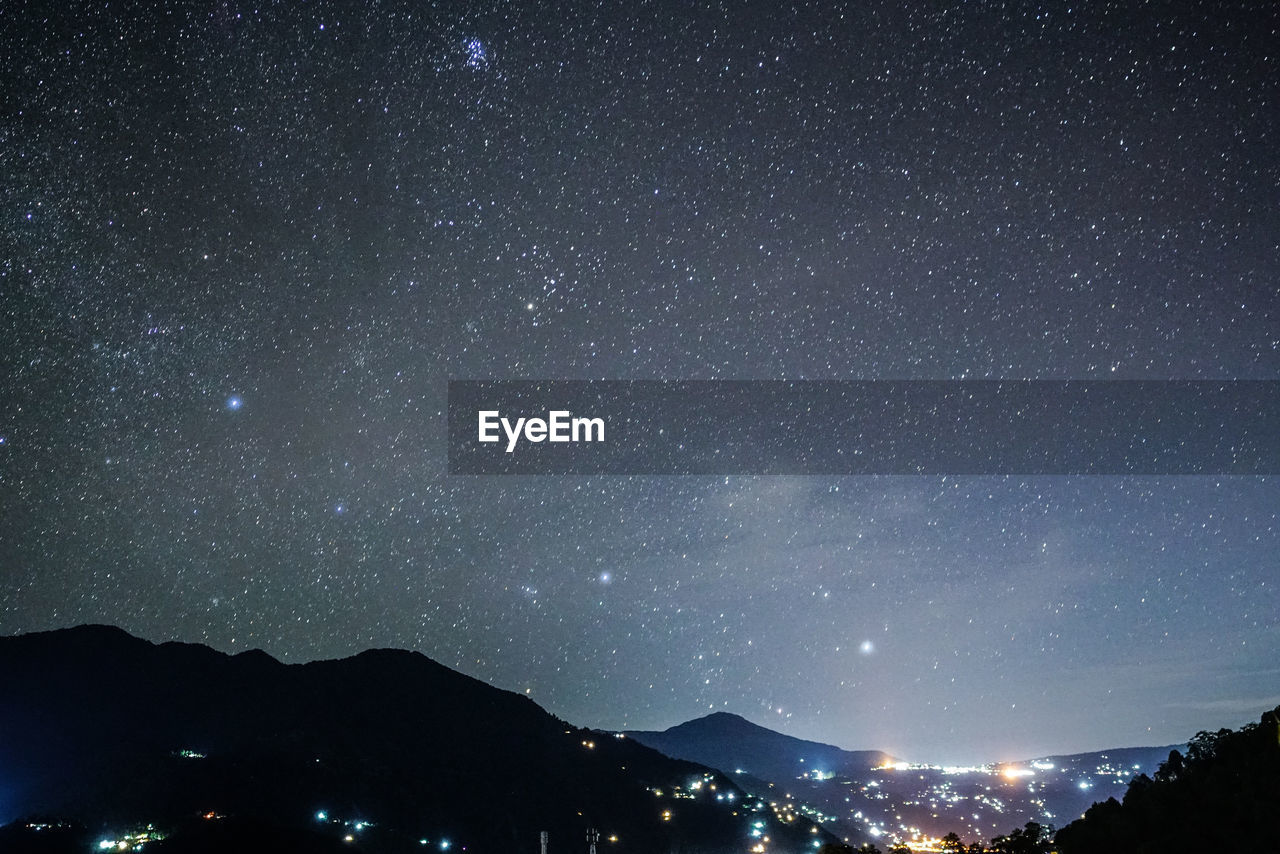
867 647
234 402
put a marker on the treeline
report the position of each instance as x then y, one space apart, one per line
1223 792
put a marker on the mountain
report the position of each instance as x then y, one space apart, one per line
869 796
384 751
777 767
734 744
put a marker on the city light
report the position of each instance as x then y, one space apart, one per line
132 841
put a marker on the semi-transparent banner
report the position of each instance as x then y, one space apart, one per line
929 427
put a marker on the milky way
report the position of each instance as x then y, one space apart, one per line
247 247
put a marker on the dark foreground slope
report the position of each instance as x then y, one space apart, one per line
111 732
1224 794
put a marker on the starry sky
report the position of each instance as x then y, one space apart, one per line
246 245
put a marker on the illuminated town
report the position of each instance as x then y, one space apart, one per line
895 804
915 804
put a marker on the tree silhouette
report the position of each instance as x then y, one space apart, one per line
1031 838
1225 788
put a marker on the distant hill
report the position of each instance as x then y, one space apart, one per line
861 796
734 744
108 733
1222 794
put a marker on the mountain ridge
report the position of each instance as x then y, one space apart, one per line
106 729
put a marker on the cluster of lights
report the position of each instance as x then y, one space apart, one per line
817 815
944 796
353 827
694 788
132 841
949 770
757 833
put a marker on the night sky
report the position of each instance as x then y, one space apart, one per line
246 246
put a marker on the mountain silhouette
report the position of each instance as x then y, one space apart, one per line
734 744
107 732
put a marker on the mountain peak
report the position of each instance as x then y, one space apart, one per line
734 744
718 719
730 725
